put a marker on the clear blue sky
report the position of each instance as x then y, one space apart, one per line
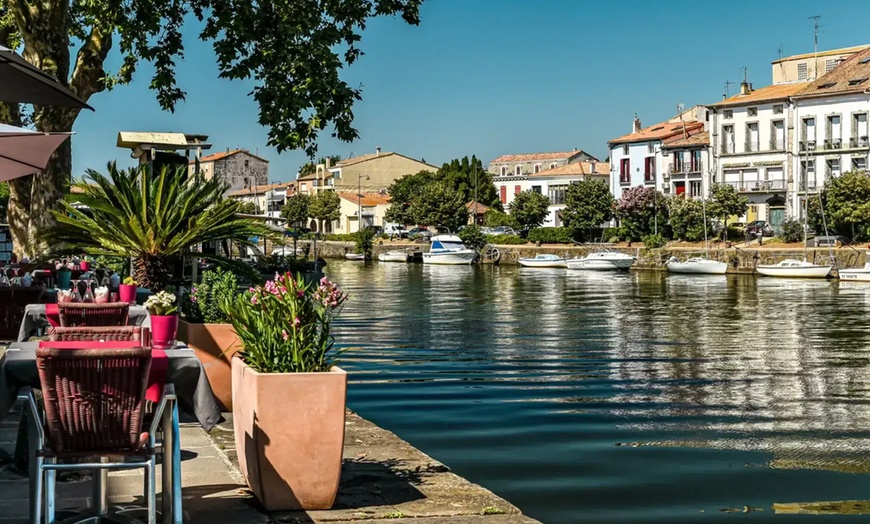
492 77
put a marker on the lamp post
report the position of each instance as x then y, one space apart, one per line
359 200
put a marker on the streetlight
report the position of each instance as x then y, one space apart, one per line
359 196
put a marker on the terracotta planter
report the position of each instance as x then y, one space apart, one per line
214 346
289 430
127 293
163 330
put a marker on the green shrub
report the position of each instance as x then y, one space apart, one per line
792 231
364 240
654 241
473 237
341 237
612 234
495 218
552 235
201 303
119 265
506 239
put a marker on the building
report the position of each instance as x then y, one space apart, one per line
688 162
269 199
238 168
510 172
637 159
810 66
372 205
476 212
554 183
374 172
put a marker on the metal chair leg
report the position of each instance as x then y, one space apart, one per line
36 495
151 490
50 491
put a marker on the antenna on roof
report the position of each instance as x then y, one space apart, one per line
683 122
728 84
779 50
815 20
745 74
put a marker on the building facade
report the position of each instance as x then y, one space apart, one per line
554 183
238 168
374 172
373 206
688 165
269 199
510 173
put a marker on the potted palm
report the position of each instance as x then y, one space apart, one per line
164 321
206 329
127 291
288 392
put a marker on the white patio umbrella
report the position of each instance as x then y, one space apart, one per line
24 152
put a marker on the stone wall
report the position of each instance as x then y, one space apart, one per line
242 170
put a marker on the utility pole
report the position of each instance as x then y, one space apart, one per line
815 20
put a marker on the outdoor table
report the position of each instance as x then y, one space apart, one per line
192 390
35 318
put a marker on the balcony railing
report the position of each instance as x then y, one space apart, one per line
689 167
808 185
808 145
676 169
776 185
751 146
727 148
777 144
833 143
624 179
862 141
758 186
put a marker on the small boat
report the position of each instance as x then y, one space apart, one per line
602 261
697 266
448 250
856 275
355 256
393 256
544 261
791 268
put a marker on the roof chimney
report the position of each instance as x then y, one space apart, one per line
378 151
636 124
745 88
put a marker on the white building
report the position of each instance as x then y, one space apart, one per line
555 182
510 173
689 164
373 206
269 199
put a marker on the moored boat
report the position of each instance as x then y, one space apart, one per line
602 261
393 256
355 256
791 268
697 266
544 260
857 274
448 250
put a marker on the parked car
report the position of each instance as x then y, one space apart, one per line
758 227
377 230
395 230
419 233
502 230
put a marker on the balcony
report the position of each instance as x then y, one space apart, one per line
809 185
751 146
833 143
777 144
856 142
727 148
676 169
758 186
687 168
808 145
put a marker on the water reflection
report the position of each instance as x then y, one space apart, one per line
617 396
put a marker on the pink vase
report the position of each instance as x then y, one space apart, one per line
85 265
127 293
163 328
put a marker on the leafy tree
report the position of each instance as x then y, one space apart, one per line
725 202
495 218
4 200
687 218
248 208
530 209
792 230
295 210
309 168
847 205
588 204
473 237
292 51
171 212
642 211
439 205
466 173
325 206
364 241
402 192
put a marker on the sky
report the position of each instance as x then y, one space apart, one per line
493 77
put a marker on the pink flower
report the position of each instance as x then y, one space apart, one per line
254 299
300 293
285 334
297 322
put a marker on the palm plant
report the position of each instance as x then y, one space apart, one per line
150 217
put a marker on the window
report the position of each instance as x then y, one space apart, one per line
695 161
777 135
833 167
518 170
859 130
517 190
752 137
503 171
830 64
857 81
802 72
536 189
246 164
649 169
695 189
552 165
502 194
651 148
859 163
625 171
729 113
537 168
752 111
728 139
808 133
557 194
624 149
808 175
826 85
777 109
834 132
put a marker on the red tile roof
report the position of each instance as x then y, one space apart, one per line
763 94
699 138
532 157
481 208
224 154
661 131
371 156
262 189
368 199
851 76
576 169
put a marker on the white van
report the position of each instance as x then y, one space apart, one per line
395 230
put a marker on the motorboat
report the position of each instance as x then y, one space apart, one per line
697 266
393 256
791 268
355 256
544 260
602 261
857 274
448 250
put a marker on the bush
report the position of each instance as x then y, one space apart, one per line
119 265
552 235
792 231
495 218
341 237
473 237
612 234
654 241
506 239
364 241
201 303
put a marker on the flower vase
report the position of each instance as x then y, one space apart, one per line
127 293
163 329
64 278
85 265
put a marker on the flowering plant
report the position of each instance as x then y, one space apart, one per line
201 303
129 281
161 304
284 325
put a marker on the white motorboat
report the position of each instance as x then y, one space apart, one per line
602 261
544 260
393 256
355 256
697 266
448 250
791 268
857 274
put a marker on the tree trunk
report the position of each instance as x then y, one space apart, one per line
151 272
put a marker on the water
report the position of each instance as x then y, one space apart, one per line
638 397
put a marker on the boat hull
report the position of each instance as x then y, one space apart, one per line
531 262
456 258
794 272
855 275
393 257
354 256
601 264
710 267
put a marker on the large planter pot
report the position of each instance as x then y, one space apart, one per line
289 430
127 293
64 278
163 330
214 346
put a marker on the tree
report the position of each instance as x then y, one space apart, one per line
439 205
402 192
642 211
325 206
248 208
151 218
469 178
846 201
588 204
473 237
725 202
686 218
530 209
295 210
495 218
4 200
293 51
309 168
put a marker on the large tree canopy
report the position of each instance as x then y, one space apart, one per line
293 50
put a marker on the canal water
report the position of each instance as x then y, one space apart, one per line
636 397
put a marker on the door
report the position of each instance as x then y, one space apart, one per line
777 215
679 188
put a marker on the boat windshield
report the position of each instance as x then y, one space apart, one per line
449 246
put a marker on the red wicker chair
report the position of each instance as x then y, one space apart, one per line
77 314
94 407
105 333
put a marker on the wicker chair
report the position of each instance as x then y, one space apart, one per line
94 407
105 333
13 300
79 314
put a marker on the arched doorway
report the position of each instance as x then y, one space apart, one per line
313 226
776 213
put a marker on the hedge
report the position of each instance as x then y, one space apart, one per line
505 239
552 235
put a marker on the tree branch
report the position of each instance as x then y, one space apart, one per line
88 75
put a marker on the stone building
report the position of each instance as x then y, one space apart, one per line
237 167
